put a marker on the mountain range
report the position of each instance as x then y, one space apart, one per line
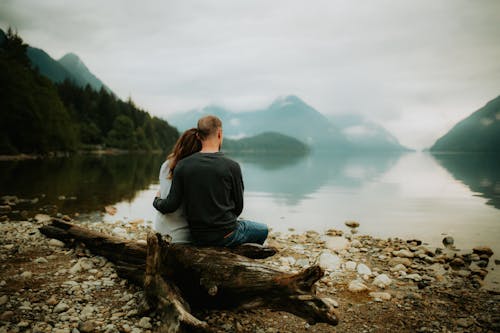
49 106
69 67
292 117
364 133
479 132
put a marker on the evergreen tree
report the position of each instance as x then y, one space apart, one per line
38 117
33 119
122 135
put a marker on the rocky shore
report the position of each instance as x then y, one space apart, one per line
380 285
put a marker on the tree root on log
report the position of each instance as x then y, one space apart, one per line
164 295
177 276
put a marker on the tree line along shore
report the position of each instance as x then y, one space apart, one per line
40 117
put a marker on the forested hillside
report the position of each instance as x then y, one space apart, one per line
39 116
268 143
479 132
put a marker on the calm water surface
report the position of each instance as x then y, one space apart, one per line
414 195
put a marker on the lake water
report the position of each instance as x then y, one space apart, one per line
412 195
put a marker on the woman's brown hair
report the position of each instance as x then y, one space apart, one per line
187 144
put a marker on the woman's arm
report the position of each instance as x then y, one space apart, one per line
174 199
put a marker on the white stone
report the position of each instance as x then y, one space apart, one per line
336 243
331 301
464 273
350 265
56 243
403 254
76 268
111 328
380 295
42 218
298 248
4 299
356 286
88 310
287 261
40 260
61 307
398 260
23 324
327 260
86 264
302 262
119 231
145 323
399 268
362 269
26 275
356 243
382 281
437 269
70 283
414 277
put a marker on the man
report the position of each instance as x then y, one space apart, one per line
210 187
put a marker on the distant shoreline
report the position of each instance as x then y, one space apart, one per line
108 151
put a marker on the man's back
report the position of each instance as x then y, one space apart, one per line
212 193
211 188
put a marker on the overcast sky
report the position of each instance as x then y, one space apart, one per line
415 67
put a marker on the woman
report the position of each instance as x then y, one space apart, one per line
175 224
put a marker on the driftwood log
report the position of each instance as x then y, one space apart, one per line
177 277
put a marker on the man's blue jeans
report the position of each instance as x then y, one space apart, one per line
246 232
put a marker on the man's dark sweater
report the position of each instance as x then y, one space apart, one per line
210 187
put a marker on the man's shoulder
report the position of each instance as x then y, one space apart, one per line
227 160
188 159
231 164
218 158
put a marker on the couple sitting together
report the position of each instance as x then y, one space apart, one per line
201 192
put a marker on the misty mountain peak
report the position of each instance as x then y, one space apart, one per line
283 101
71 59
291 116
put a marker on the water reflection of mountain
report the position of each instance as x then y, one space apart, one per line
481 172
95 181
294 178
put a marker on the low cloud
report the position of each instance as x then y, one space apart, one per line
414 67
